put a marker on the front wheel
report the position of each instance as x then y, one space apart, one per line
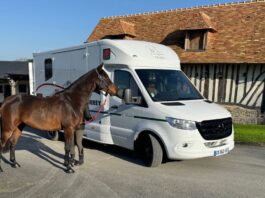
53 135
150 150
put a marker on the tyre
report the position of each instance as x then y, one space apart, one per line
53 135
149 149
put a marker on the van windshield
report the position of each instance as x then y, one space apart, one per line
167 85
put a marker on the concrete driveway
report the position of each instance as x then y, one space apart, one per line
110 171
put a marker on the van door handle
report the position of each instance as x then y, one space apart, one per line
114 107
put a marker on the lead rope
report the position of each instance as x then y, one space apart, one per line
96 114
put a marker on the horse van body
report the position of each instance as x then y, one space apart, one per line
157 111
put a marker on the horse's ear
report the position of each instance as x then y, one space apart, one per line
100 67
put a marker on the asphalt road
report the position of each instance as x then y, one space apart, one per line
110 171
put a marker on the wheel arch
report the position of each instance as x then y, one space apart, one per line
143 134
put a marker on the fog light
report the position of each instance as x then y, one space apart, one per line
185 145
181 146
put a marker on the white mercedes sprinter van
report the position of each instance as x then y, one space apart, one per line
157 111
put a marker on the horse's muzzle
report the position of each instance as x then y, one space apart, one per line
112 90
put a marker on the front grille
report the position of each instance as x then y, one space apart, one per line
215 129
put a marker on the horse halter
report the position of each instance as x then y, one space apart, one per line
103 82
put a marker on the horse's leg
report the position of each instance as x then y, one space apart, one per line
1 170
5 135
72 151
13 140
68 136
79 137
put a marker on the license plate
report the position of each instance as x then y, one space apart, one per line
220 152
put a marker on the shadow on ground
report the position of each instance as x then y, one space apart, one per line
31 142
113 150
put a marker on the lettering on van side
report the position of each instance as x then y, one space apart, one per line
95 102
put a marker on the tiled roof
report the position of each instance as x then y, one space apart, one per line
236 30
128 28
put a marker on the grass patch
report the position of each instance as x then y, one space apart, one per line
250 133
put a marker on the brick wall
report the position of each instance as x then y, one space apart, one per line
245 116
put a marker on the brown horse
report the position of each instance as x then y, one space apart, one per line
63 110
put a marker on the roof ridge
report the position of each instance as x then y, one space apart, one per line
189 8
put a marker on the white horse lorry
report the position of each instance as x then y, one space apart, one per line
157 111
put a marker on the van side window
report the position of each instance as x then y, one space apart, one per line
48 68
124 80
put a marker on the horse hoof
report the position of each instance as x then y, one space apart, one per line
69 170
15 165
72 164
79 163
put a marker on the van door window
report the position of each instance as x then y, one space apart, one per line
48 68
124 80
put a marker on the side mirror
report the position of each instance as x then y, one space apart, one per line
128 99
128 96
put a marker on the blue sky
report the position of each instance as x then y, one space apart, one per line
28 26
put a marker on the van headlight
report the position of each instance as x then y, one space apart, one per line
181 124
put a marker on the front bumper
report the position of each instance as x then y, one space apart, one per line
194 146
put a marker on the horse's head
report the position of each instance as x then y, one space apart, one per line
104 83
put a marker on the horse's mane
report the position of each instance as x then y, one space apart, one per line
73 84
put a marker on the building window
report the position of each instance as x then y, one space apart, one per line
22 88
196 40
48 68
1 89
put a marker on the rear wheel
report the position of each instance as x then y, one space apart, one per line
53 135
149 149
